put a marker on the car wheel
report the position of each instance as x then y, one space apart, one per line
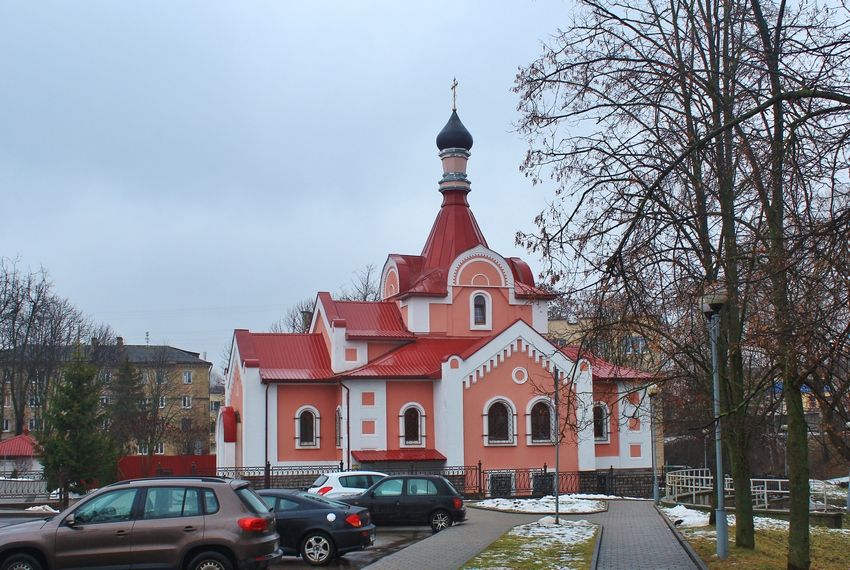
440 520
210 561
317 549
21 562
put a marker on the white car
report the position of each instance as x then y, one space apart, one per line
333 485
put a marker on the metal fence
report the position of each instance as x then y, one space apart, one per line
24 487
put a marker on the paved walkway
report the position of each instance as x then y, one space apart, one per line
634 538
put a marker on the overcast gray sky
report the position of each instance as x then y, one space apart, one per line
187 168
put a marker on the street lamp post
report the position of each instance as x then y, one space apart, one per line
711 306
556 377
652 392
847 425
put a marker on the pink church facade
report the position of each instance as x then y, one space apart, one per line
450 368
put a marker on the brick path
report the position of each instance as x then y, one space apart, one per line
634 538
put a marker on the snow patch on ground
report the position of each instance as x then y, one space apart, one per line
42 509
566 504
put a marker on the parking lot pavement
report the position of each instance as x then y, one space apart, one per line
387 541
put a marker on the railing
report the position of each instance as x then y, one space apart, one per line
24 486
688 485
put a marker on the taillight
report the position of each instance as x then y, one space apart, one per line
254 524
354 520
324 490
457 502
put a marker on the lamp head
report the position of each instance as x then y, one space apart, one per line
712 303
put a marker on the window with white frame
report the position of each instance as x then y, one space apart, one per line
635 344
307 427
600 422
159 448
162 402
540 423
161 377
412 425
186 402
499 423
480 311
187 376
6 425
142 449
32 424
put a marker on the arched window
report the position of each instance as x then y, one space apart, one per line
500 423
479 305
307 427
600 422
541 422
411 426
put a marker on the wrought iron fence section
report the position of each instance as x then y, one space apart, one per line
24 486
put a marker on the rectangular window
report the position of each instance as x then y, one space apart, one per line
186 424
32 424
6 425
161 402
160 377
214 406
186 402
187 376
159 448
104 400
143 449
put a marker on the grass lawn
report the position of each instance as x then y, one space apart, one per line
830 549
540 546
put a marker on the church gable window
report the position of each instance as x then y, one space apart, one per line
499 423
412 425
541 420
307 427
480 311
600 423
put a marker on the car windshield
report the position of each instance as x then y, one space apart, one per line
320 481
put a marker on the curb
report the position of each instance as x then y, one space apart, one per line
541 513
594 561
685 544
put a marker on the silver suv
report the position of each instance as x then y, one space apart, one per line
199 523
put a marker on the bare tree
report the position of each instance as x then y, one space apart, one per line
364 286
296 319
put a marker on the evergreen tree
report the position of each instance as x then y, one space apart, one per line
77 451
124 411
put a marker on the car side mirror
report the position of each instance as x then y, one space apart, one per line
372 493
70 520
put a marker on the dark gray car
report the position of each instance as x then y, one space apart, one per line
202 523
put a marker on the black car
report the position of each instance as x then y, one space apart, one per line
318 529
412 500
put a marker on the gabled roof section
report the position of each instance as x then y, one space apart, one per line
420 359
604 370
366 320
19 446
285 356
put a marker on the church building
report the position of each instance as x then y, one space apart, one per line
450 368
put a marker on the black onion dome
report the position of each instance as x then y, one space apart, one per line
454 135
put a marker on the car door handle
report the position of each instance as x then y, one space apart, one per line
189 529
121 533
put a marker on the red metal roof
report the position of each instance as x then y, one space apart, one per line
367 319
398 455
285 356
419 359
19 446
454 231
604 370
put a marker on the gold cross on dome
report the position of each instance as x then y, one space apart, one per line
454 94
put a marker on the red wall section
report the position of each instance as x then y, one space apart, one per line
290 397
400 393
480 274
607 392
499 382
236 403
454 319
376 349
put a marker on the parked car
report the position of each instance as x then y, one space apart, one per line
412 500
318 529
334 485
192 523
